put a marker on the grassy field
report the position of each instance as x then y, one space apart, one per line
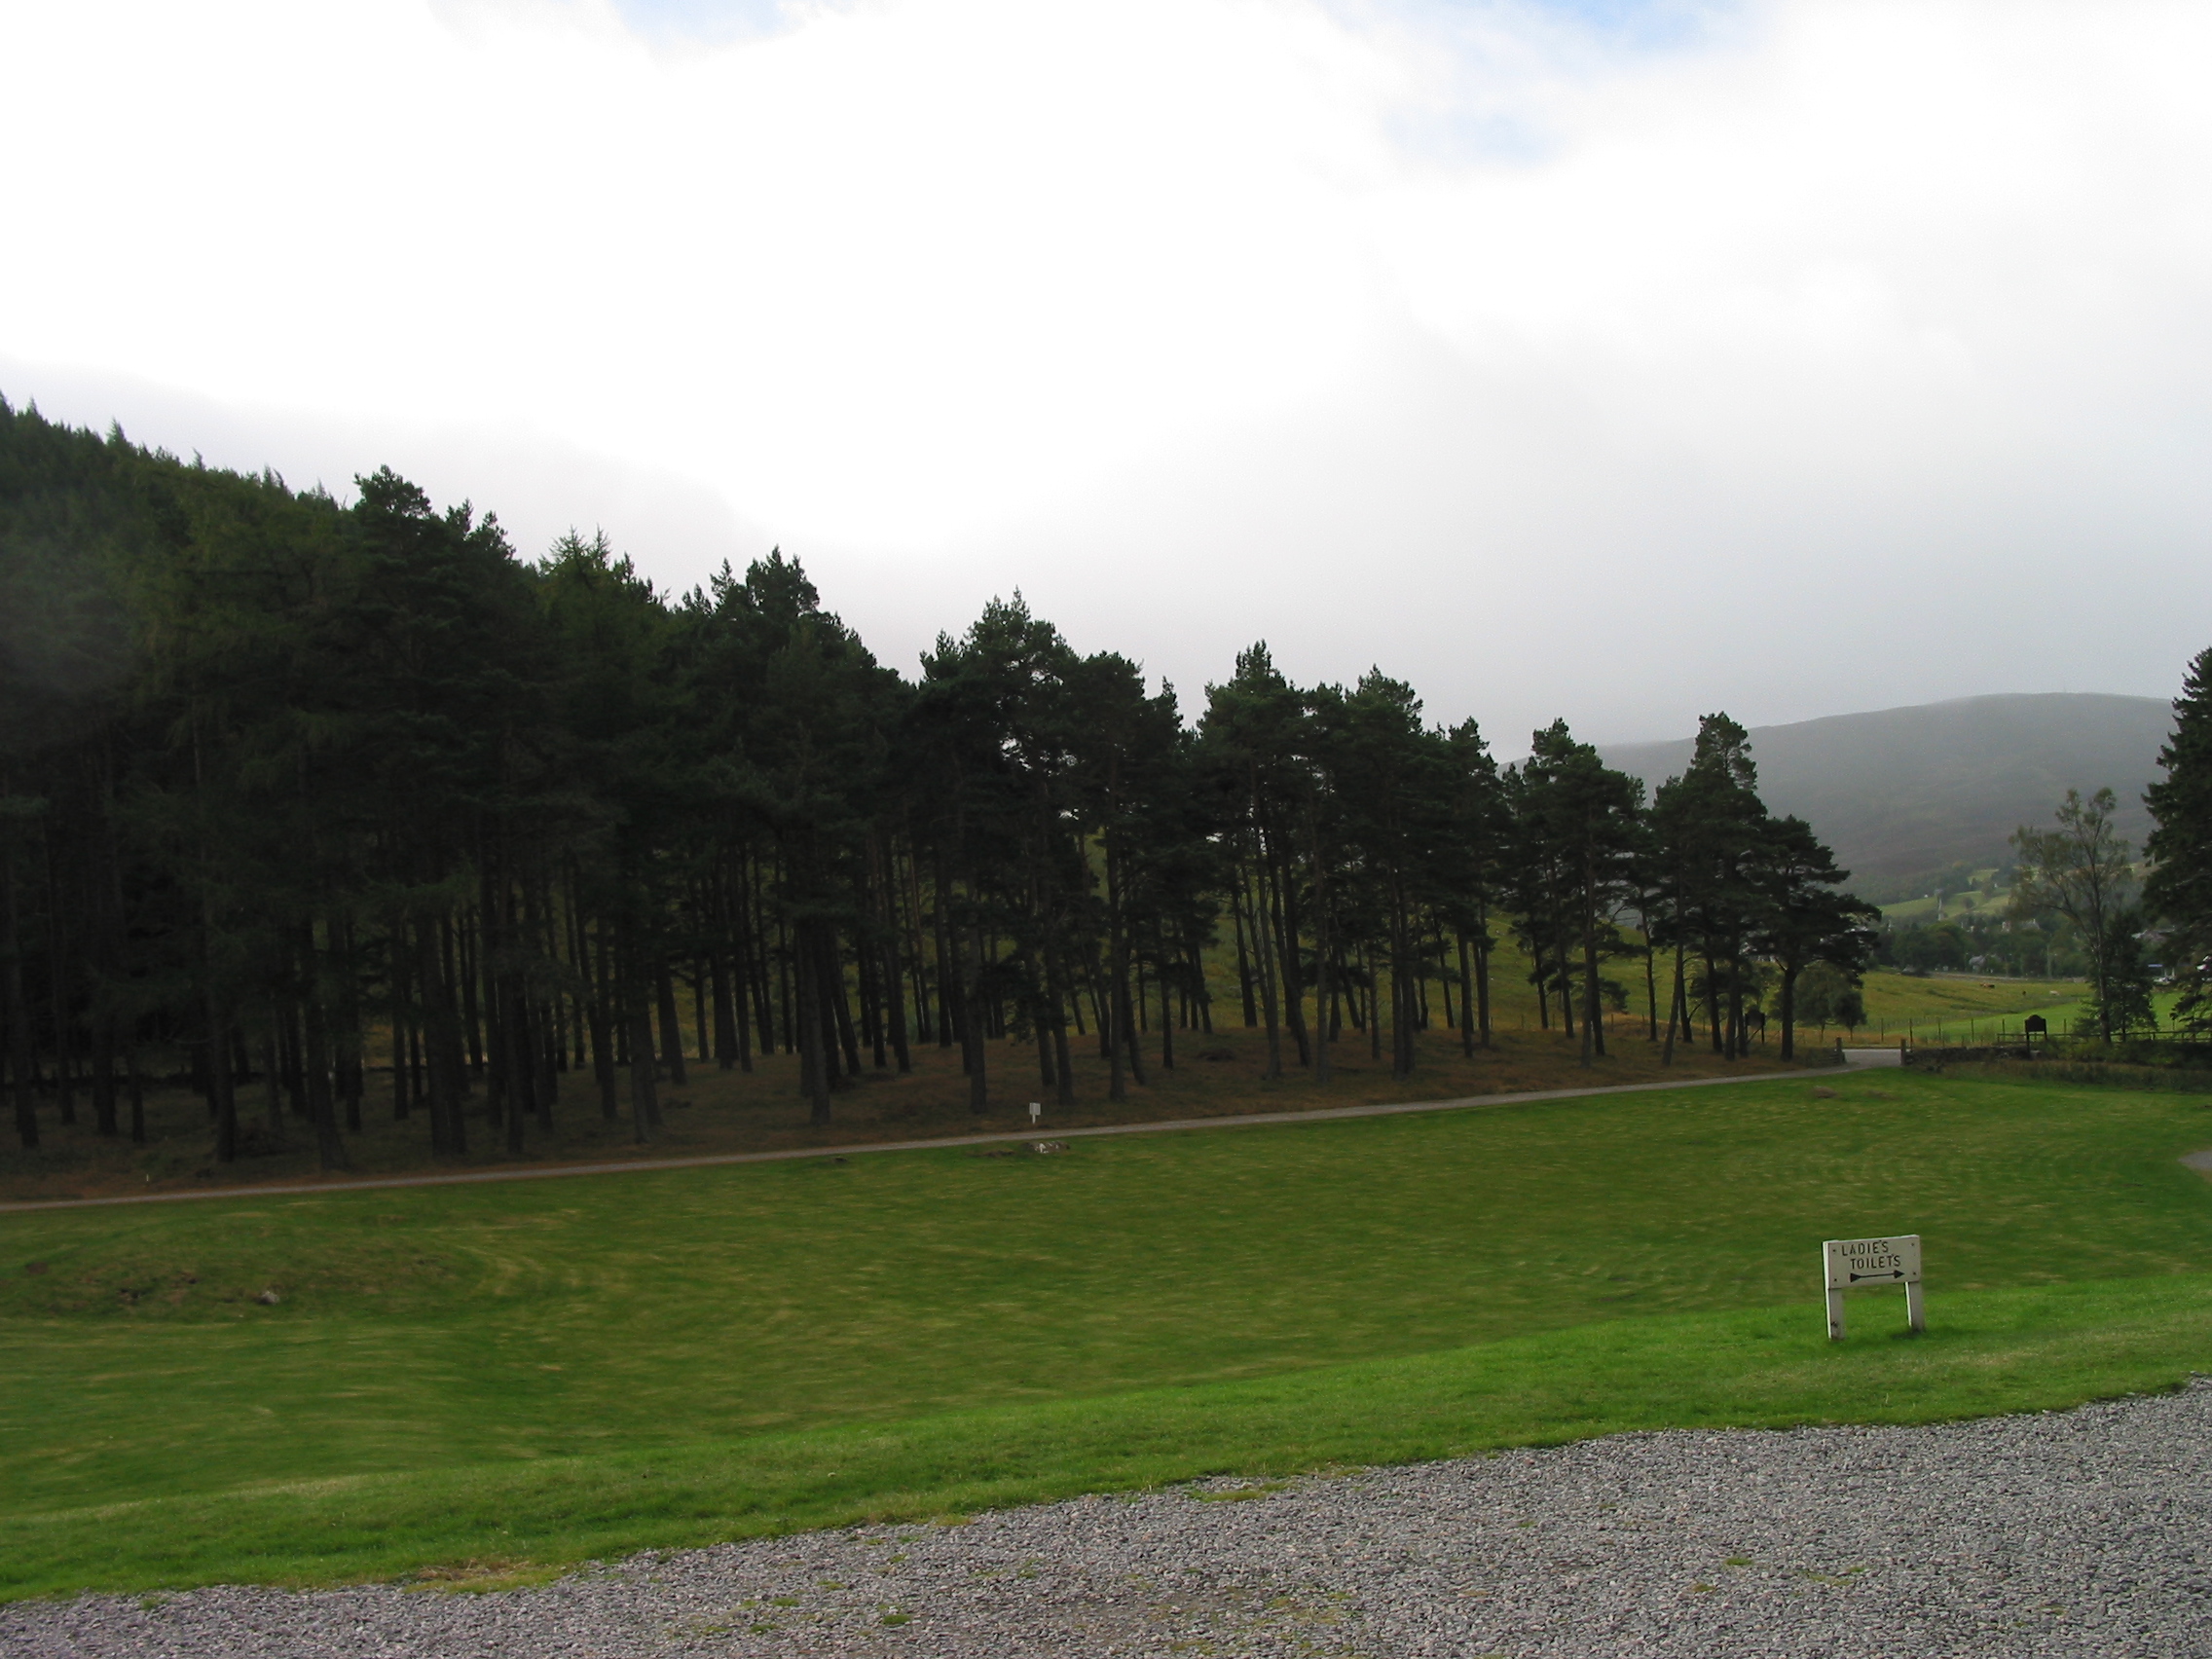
535 1373
1960 1007
1966 900
1968 1008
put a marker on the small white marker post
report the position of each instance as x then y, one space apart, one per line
1847 1262
1036 1111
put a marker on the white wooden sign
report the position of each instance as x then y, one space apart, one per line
1849 1262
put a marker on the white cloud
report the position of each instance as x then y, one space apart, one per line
1822 355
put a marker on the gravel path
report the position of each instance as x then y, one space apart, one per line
2079 1534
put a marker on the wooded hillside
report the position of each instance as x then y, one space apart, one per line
1904 791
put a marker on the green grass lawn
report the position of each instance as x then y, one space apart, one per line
548 1370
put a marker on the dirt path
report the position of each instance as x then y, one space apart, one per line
549 1172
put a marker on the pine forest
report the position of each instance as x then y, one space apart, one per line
358 800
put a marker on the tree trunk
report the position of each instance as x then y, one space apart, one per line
755 936
58 986
638 1016
17 1011
725 1006
1048 1071
1285 922
600 983
813 1071
867 970
975 1023
1324 989
1566 961
347 1038
951 1010
111 905
461 1068
1593 999
1059 993
330 1147
1063 1064
1403 1009
1737 1048
895 1002
475 962
1482 943
1675 1013
701 1017
468 967
1112 1012
1467 1015
1454 1012
1243 961
1650 981
840 1007
670 1025
644 1086
521 1046
442 1052
917 957
221 1092
103 1075
495 1069
1126 1012
742 990
271 1086
1713 1011
545 1020
1589 993
1790 1011
1266 954
1166 1019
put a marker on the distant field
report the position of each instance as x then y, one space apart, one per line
1960 1007
1950 1007
1955 905
532 1373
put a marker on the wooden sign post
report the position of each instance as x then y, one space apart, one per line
1849 1262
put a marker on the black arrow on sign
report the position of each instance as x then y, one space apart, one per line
1893 1273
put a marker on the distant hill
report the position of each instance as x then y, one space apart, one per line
1906 792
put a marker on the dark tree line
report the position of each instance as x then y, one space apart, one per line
2178 889
346 808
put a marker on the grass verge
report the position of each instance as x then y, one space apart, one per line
498 1524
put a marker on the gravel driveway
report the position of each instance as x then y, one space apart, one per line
2078 1532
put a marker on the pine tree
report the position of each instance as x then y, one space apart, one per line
2179 888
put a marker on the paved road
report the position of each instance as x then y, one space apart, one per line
547 1172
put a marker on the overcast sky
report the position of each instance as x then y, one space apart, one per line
1614 361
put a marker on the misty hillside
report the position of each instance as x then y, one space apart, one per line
1905 791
